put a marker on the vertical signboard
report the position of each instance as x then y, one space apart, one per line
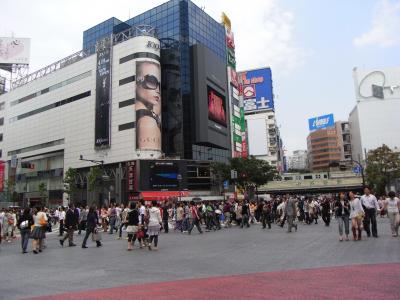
131 174
2 170
257 89
238 126
148 106
103 94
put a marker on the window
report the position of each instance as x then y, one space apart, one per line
1 153
1 137
1 121
2 105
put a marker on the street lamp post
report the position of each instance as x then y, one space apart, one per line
97 162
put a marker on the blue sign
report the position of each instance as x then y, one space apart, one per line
357 169
321 122
226 184
257 89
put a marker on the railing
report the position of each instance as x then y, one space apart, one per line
140 30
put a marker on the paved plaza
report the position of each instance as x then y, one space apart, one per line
219 265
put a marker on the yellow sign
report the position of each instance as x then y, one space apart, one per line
226 21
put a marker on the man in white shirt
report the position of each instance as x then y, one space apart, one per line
62 218
371 207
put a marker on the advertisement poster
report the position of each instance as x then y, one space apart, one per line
148 106
216 106
257 89
14 50
103 97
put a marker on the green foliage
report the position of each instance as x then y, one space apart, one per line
42 188
252 172
383 165
94 177
70 181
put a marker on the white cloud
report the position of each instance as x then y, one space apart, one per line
385 26
263 34
263 30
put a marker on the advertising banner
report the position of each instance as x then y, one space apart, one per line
14 50
257 89
231 58
2 170
103 95
321 122
148 106
216 106
131 171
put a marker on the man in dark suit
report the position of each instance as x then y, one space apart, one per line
70 223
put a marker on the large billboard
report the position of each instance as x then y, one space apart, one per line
103 94
14 50
216 106
321 122
148 106
257 89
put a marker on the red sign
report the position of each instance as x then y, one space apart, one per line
249 91
131 176
163 196
234 77
2 169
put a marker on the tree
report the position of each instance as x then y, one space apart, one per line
70 182
383 165
94 177
221 171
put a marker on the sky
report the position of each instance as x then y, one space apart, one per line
311 46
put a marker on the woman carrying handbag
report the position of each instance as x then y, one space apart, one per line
133 224
91 228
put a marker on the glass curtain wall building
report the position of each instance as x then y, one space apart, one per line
180 24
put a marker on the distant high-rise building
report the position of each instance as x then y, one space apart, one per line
298 161
325 146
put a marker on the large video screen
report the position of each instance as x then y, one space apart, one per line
164 175
216 106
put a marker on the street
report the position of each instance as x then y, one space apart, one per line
226 252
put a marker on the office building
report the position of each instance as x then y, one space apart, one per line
325 146
298 160
262 131
375 118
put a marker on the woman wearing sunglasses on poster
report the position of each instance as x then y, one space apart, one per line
148 106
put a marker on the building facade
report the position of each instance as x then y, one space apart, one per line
374 119
180 25
325 146
263 138
298 160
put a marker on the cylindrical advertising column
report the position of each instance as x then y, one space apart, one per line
148 100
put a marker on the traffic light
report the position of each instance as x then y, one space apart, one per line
27 165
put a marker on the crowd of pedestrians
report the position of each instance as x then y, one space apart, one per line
143 221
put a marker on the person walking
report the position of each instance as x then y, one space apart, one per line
92 221
291 213
155 223
112 217
83 219
326 215
392 206
61 220
195 218
370 203
179 217
356 214
245 215
71 221
24 224
266 215
132 224
165 217
124 220
38 231
342 214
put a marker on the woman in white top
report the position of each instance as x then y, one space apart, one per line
356 215
38 232
392 206
154 226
